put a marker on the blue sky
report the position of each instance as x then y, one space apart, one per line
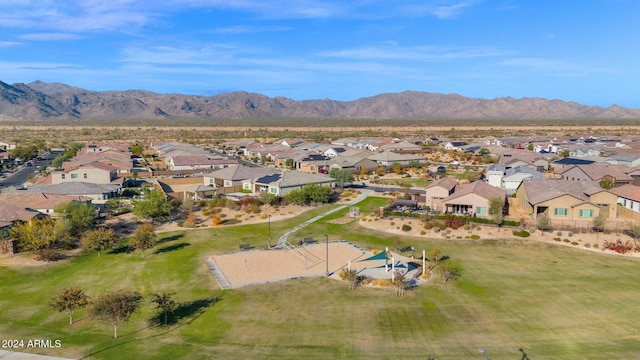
573 50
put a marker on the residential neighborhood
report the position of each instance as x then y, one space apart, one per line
572 180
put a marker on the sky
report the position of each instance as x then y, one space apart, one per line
586 51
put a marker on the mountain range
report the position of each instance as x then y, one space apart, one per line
55 101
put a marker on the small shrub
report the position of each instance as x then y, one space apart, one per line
392 223
223 215
566 240
428 225
618 246
587 245
570 234
406 227
475 237
478 228
595 246
557 239
422 232
521 233
180 223
574 243
559 233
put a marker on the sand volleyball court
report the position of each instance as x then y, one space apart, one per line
254 267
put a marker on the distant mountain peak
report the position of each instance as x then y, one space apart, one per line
39 100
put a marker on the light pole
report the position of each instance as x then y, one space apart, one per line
269 220
326 237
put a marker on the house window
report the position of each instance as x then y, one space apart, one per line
586 213
63 176
85 175
74 176
273 190
560 211
481 210
210 181
246 186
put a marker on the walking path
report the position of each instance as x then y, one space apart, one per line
282 241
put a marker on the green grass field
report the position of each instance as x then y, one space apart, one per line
555 302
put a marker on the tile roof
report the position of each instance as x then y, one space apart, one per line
539 191
628 191
241 172
599 172
10 213
479 188
445 183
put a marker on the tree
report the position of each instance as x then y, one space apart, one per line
116 307
34 235
24 153
351 276
316 193
400 282
363 172
266 198
396 168
599 222
68 300
144 238
154 207
98 240
634 231
544 223
165 302
434 255
414 163
289 163
296 197
137 149
342 176
449 272
78 217
496 209
606 183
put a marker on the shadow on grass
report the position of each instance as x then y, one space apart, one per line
170 238
183 315
190 311
230 222
170 248
125 249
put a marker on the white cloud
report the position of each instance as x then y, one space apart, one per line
555 66
416 53
49 36
6 44
248 29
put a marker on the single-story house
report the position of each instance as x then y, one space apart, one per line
472 199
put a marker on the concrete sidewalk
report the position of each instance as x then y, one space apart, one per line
283 239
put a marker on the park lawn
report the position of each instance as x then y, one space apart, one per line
410 182
555 302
